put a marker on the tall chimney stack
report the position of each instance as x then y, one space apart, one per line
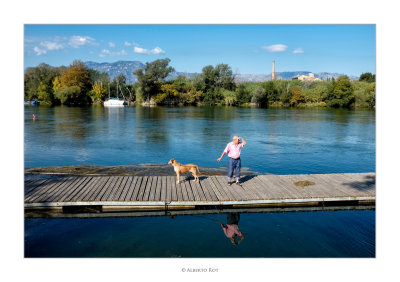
273 70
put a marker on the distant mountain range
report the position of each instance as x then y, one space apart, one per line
128 67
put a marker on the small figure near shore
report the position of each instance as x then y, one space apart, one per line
233 150
33 116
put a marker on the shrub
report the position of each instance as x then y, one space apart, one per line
70 95
296 96
242 94
259 96
229 97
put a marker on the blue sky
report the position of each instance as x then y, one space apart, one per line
348 49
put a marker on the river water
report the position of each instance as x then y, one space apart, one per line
280 141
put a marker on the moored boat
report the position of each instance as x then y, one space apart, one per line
112 102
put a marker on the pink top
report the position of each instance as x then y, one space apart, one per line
231 229
233 150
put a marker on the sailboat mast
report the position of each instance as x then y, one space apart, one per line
117 88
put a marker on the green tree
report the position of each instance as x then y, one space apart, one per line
45 93
181 84
371 95
271 91
368 77
95 75
224 77
151 75
209 79
242 94
120 82
35 75
259 97
229 97
219 77
340 93
69 95
209 97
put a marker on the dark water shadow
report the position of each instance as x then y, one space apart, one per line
367 184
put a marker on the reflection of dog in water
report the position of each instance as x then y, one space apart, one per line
180 168
231 229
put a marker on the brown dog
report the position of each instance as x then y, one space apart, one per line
180 168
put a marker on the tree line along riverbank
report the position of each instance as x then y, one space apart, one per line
215 85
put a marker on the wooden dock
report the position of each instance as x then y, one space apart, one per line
127 193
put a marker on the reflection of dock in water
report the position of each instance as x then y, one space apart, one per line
161 195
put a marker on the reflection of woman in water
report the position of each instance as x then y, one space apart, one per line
231 229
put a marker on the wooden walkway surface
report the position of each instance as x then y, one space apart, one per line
162 192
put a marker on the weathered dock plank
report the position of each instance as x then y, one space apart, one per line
94 183
139 195
161 192
209 194
126 189
133 189
57 193
91 195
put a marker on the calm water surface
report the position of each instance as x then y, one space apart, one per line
280 141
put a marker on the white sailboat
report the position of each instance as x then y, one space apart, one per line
114 102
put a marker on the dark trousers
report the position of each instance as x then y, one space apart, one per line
233 218
234 165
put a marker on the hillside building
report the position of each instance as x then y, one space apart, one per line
309 77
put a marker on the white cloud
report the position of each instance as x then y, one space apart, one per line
42 46
156 50
105 53
111 44
298 51
51 45
77 41
275 48
126 43
39 51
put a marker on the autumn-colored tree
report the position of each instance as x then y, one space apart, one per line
296 96
56 83
99 91
76 75
167 94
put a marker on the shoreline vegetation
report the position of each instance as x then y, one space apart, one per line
78 85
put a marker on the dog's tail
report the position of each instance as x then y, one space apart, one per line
197 167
